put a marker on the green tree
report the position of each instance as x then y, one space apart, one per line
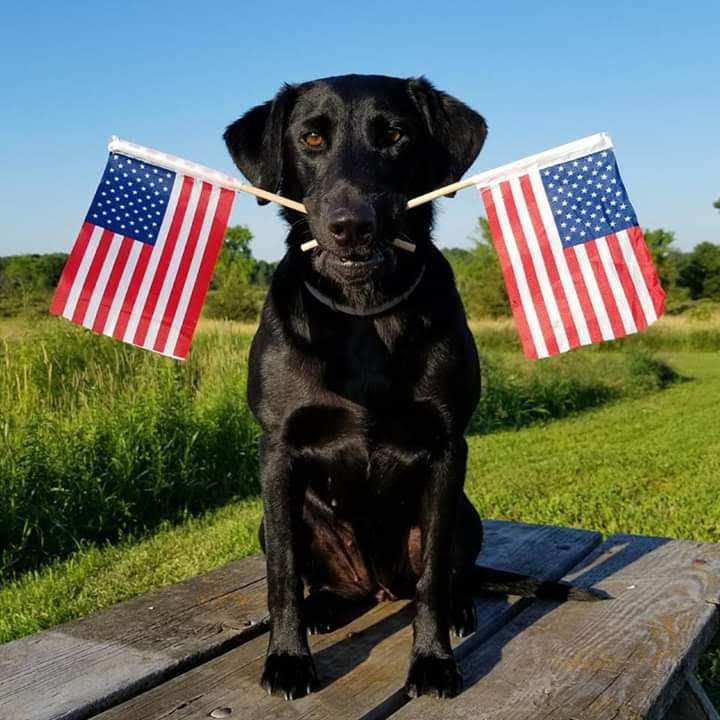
456 256
701 273
664 257
237 241
263 272
235 262
51 267
478 275
232 294
716 204
21 278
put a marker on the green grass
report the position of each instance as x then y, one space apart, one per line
99 576
696 331
517 393
101 440
646 465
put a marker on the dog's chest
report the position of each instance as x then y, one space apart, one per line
361 366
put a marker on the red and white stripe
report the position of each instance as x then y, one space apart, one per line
566 297
148 295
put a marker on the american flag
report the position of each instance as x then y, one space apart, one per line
576 266
142 262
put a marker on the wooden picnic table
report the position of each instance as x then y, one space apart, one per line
195 649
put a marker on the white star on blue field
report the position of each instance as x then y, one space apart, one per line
132 198
588 198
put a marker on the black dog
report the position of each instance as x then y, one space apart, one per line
363 373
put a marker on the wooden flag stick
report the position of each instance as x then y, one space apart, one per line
301 208
453 187
272 197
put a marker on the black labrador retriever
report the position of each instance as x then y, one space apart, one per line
363 373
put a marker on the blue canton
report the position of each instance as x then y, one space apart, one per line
587 198
132 198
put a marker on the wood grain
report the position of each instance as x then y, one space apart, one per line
620 659
363 665
82 667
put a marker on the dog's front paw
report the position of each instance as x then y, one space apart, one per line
463 618
434 676
292 676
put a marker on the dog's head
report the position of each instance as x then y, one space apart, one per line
354 149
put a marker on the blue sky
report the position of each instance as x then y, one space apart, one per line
172 75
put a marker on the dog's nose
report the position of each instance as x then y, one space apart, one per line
351 226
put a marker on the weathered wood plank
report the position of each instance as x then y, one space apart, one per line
82 667
363 665
621 659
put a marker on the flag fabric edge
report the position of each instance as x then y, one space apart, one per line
561 153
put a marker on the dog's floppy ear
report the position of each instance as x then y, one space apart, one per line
255 141
457 132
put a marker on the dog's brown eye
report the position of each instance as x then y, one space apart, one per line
313 139
393 135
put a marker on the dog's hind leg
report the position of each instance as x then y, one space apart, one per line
467 541
466 547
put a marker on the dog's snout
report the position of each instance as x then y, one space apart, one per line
351 226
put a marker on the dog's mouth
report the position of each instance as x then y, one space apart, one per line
357 262
352 266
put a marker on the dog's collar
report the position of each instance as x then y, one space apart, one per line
325 300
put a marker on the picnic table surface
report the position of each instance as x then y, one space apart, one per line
196 649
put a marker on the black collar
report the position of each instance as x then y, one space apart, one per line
325 300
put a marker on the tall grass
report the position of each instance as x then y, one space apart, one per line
517 393
99 439
686 333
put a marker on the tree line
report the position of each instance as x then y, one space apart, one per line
240 281
236 292
686 277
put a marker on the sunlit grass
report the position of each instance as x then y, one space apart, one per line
99 439
670 332
98 576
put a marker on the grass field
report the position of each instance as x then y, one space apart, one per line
101 440
606 439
